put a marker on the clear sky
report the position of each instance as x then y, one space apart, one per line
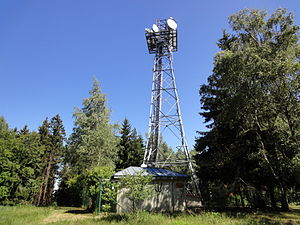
50 51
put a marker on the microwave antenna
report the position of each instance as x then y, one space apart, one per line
165 114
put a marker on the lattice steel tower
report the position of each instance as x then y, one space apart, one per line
165 112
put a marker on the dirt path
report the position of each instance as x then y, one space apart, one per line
65 213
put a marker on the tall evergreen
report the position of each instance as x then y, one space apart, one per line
52 136
21 165
24 130
130 147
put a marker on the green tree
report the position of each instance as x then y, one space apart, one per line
24 130
130 147
252 102
137 187
30 158
8 167
92 181
93 141
93 144
3 124
167 154
20 167
52 136
88 186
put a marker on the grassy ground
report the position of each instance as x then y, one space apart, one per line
19 215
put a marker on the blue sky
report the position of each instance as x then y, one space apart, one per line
50 51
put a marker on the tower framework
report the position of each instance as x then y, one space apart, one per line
165 114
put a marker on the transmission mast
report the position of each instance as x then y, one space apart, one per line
165 112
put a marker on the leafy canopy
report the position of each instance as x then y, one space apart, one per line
252 105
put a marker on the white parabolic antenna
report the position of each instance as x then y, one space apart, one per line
155 28
172 24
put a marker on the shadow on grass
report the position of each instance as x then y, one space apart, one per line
271 222
115 218
269 217
78 211
295 210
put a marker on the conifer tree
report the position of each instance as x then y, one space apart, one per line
130 147
24 130
21 157
52 136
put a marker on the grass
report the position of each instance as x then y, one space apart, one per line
23 214
19 215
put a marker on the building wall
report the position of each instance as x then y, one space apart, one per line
169 196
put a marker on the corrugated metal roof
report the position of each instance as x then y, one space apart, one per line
155 172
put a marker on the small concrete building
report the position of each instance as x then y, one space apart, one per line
169 188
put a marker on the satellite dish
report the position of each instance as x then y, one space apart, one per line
155 28
148 30
171 23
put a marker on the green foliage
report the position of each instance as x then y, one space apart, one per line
88 186
137 187
91 152
130 147
93 141
166 153
52 136
252 103
3 124
93 179
20 167
24 155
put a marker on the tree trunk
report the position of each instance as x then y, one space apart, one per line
284 200
133 205
242 199
236 201
284 203
272 197
38 197
46 187
50 188
259 201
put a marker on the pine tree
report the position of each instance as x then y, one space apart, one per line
137 154
21 157
130 147
24 130
52 136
